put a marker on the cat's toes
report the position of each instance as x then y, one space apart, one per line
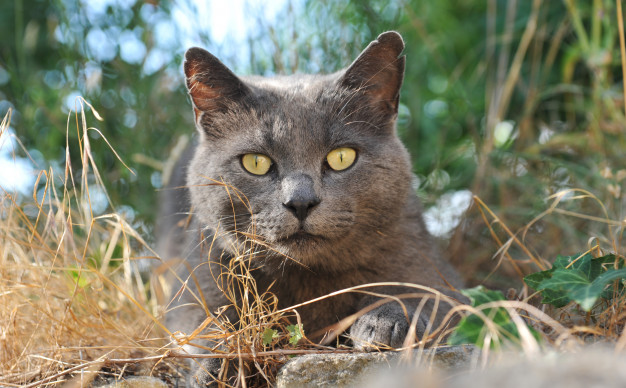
386 325
204 373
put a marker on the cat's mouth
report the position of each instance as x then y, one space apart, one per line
300 237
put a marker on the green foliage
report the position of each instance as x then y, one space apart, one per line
580 278
473 330
79 278
53 51
268 336
295 334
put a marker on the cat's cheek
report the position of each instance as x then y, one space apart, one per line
380 195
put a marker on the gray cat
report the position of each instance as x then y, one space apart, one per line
325 185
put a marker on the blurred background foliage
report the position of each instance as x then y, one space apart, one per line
509 100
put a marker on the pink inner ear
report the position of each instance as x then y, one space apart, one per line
204 96
212 86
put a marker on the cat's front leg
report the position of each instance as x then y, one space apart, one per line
386 325
209 372
204 373
186 318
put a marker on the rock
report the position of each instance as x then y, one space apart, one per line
454 368
587 367
136 382
349 370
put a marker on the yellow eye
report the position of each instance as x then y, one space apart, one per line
341 158
257 164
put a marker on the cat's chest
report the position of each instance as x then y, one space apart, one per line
294 289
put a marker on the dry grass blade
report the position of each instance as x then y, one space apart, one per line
72 299
512 236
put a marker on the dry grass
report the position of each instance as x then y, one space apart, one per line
73 305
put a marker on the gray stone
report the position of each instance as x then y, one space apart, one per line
587 367
136 382
349 370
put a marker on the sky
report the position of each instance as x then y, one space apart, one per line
228 24
16 174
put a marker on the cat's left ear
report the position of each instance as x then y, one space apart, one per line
378 72
212 86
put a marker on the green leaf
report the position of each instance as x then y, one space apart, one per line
587 296
295 334
481 295
534 279
268 336
565 280
555 298
563 261
583 279
603 264
79 278
472 329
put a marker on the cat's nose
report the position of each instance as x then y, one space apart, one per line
299 195
301 207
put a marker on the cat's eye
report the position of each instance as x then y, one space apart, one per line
341 158
257 164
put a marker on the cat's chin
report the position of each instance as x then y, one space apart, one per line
300 245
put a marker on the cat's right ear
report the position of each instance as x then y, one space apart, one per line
211 85
378 72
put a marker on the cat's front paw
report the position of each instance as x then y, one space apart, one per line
386 325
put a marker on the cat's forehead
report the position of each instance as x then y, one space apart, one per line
293 126
293 109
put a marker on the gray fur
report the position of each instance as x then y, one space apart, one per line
367 226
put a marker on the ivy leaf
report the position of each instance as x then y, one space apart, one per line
583 279
472 329
565 280
604 263
268 336
587 296
555 298
561 262
295 334
534 279
577 262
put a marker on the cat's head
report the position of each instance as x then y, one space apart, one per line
312 165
